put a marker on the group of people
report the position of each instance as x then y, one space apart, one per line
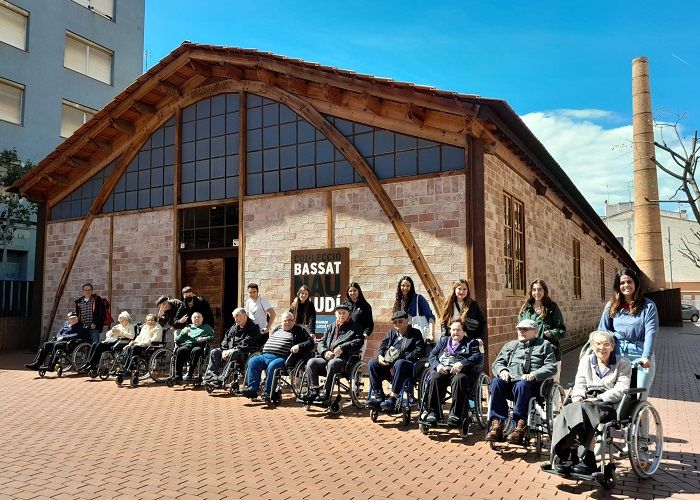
452 344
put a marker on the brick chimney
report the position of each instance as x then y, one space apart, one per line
647 217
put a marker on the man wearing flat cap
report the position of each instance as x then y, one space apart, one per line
399 350
518 371
72 330
342 339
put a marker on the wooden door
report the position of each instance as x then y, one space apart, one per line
206 277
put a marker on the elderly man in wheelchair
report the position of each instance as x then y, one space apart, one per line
286 339
518 372
601 402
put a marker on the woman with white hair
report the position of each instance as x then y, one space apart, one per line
116 336
601 380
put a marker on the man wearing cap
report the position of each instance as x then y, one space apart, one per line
342 339
72 329
398 352
518 371
191 304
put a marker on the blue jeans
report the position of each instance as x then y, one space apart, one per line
401 371
633 352
94 335
518 391
269 363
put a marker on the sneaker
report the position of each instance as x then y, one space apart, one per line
496 431
32 366
424 416
453 420
321 400
431 418
310 397
265 398
516 435
376 401
249 393
587 466
389 405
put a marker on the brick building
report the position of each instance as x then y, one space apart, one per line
218 162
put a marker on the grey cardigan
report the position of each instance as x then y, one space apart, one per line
514 357
616 381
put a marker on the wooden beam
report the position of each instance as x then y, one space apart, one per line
373 104
585 229
58 179
95 208
169 88
144 108
123 125
78 162
416 114
332 94
100 145
540 187
234 72
567 212
200 68
299 86
597 240
267 77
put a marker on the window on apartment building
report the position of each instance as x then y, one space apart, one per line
514 243
602 279
88 58
11 99
104 8
13 25
73 115
577 268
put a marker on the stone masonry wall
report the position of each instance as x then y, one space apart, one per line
141 265
549 256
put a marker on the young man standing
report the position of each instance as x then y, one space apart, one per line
91 312
259 309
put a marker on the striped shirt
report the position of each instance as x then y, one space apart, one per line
279 343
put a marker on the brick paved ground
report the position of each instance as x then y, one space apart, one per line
77 438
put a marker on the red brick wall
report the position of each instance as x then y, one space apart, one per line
549 256
141 262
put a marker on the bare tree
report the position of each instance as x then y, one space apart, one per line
686 163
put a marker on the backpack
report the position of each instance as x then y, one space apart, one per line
108 312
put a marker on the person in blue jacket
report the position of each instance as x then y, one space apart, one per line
72 330
634 320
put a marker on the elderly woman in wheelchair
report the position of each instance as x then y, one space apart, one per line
455 361
603 401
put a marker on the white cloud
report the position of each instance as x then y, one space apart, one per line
598 159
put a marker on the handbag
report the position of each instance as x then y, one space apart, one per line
394 353
419 322
447 360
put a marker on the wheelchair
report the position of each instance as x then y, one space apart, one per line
352 382
111 362
636 427
75 355
288 376
476 404
233 375
542 411
198 373
407 396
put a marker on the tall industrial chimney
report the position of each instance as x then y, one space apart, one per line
647 216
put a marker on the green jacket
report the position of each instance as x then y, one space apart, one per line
534 357
554 322
190 335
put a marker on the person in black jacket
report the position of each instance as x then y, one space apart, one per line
240 340
407 342
191 304
91 312
455 360
460 306
342 339
72 330
360 310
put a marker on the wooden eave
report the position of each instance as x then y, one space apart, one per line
420 110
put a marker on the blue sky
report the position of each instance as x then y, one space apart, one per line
565 67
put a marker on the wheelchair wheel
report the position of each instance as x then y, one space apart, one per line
406 415
159 364
59 370
553 405
373 415
296 376
645 440
483 386
135 380
336 407
609 478
92 373
538 444
103 368
358 395
464 427
79 356
208 387
422 382
42 373
119 379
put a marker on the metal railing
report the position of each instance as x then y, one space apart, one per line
16 298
